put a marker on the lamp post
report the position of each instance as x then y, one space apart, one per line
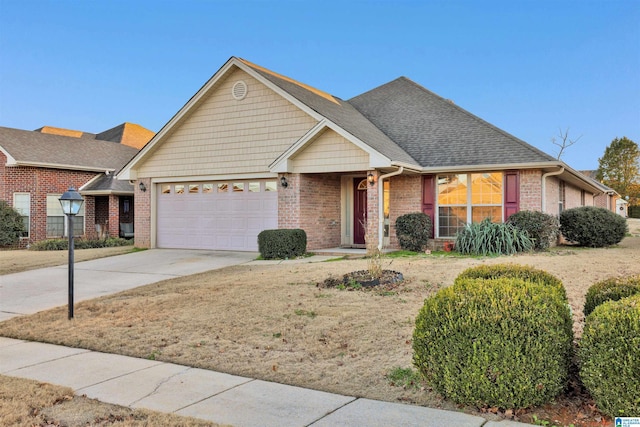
71 201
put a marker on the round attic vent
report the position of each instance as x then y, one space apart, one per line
239 90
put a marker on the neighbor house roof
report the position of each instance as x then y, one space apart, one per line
30 148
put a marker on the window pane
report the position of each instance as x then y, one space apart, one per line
238 186
179 189
450 220
207 188
55 226
254 187
486 188
223 187
78 225
452 189
194 188
494 213
270 186
22 204
166 189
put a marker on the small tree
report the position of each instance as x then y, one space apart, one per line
619 168
11 225
565 142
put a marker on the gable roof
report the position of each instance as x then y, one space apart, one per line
399 124
31 148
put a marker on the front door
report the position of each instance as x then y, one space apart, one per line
359 211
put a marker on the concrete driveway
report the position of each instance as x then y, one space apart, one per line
36 290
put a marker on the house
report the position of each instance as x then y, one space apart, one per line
607 198
36 167
255 150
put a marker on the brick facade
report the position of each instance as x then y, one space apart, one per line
142 219
39 182
531 190
405 196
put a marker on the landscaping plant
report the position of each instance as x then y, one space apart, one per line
611 289
542 228
609 356
488 238
11 225
593 227
503 342
282 243
63 244
413 231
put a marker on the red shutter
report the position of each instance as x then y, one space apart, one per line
511 193
428 198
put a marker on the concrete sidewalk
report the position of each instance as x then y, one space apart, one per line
209 395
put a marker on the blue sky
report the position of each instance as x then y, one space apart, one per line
530 67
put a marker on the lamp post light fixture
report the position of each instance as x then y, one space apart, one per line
371 179
71 202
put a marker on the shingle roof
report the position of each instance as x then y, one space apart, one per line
107 183
47 150
438 133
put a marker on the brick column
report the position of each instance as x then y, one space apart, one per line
114 216
142 214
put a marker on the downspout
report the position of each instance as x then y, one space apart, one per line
381 178
544 186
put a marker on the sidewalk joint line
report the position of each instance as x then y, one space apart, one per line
336 409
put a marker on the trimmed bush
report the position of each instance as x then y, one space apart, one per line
514 271
494 343
282 244
592 227
413 231
63 244
611 289
488 238
541 227
11 225
609 355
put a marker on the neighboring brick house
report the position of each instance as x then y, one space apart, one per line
608 198
255 150
36 167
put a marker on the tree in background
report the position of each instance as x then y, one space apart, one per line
565 142
619 168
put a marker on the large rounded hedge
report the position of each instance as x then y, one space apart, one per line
514 271
413 231
611 289
593 227
501 343
610 356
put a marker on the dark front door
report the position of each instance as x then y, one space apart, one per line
359 210
126 209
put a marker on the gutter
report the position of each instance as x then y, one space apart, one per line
381 178
544 186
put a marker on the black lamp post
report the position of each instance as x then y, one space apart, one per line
71 202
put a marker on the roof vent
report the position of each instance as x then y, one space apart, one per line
239 90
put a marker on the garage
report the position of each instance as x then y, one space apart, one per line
217 215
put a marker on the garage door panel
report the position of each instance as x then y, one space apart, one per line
215 220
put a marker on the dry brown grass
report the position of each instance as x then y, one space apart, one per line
272 322
23 260
31 403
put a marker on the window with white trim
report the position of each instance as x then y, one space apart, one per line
468 198
57 220
22 204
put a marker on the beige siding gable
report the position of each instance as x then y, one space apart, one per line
223 134
330 152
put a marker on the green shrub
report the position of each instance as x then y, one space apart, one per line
501 343
541 227
609 356
592 227
282 244
514 271
611 289
63 244
413 231
11 225
488 238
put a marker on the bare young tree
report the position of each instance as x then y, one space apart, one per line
564 142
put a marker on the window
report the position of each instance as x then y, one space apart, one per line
166 189
223 187
270 186
179 189
254 187
385 206
207 188
466 198
22 204
561 197
238 186
57 220
194 188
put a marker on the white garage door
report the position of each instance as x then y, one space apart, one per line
215 215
